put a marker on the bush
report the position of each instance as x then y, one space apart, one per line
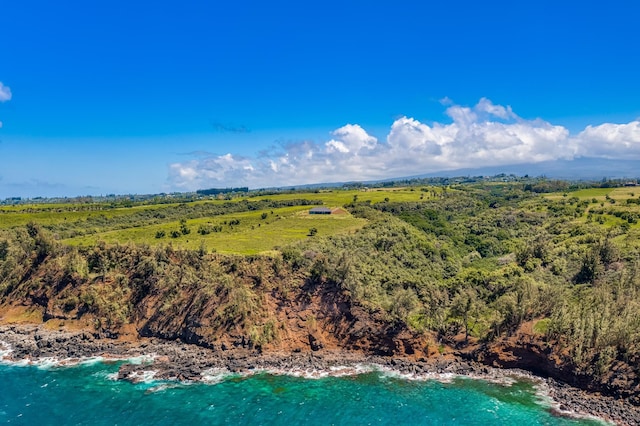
184 229
204 230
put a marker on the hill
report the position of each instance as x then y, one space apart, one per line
495 272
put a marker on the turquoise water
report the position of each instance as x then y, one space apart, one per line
85 394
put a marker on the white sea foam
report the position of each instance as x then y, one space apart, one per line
502 378
543 398
424 376
144 376
112 376
385 371
340 371
579 416
213 376
141 359
163 386
54 362
5 350
314 373
216 375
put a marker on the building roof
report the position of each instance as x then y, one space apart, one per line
320 210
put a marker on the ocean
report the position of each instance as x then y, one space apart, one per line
88 394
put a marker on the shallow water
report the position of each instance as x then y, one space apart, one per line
87 394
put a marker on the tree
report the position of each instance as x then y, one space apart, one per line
4 249
184 229
466 306
312 232
590 269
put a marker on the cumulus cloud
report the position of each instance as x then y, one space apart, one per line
482 135
5 93
488 107
610 141
351 139
198 173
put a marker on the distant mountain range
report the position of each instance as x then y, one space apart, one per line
580 168
583 168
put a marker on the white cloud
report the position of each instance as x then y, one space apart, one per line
408 134
5 93
199 173
486 106
480 136
336 146
351 138
610 141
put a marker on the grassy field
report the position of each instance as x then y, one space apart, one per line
251 235
341 197
609 207
246 232
599 194
21 218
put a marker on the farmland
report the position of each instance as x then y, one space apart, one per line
243 225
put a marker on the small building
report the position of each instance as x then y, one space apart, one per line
320 210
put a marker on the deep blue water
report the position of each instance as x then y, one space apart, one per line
86 395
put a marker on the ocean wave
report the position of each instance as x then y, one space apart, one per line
569 414
5 350
214 376
143 376
54 362
315 373
445 377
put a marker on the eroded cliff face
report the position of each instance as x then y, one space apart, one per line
262 304
219 302
306 317
529 351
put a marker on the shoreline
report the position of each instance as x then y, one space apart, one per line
178 361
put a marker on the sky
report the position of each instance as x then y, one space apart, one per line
145 97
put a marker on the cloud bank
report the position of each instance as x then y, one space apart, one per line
485 135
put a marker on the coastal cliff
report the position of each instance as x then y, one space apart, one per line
264 306
493 277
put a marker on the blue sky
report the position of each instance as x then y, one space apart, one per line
101 97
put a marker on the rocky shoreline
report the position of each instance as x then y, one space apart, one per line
174 360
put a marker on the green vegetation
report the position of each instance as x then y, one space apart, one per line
477 260
248 224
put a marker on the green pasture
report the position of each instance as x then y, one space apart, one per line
603 206
11 220
599 194
252 235
51 214
340 197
